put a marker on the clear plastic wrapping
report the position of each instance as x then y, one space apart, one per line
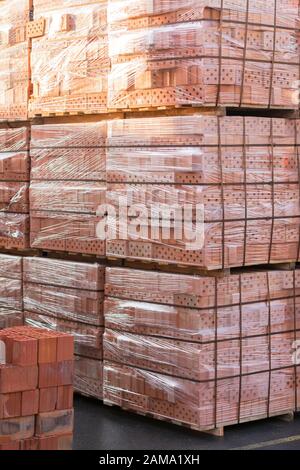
242 173
194 291
11 293
172 11
70 60
69 152
200 362
87 338
67 187
14 187
201 406
202 351
14 59
194 54
183 323
88 378
60 273
67 291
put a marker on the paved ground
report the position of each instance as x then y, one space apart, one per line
98 427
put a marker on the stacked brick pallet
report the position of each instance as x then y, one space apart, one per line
242 173
68 296
67 187
11 291
14 59
202 351
70 57
207 52
36 392
14 188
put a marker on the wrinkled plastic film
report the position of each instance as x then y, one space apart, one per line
88 378
194 291
173 54
259 10
160 320
57 272
193 403
70 61
14 59
88 339
64 290
204 191
68 186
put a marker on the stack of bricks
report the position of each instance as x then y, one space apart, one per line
238 176
207 52
67 187
70 57
68 297
14 188
36 391
14 59
202 351
11 291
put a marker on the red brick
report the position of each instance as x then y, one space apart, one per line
14 429
10 405
64 397
65 348
64 442
13 445
48 375
30 402
18 379
24 351
48 399
65 373
54 423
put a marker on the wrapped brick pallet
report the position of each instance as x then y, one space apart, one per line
204 352
203 52
36 390
242 173
68 296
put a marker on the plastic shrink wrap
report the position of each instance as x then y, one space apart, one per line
202 351
67 187
67 296
14 188
210 52
88 377
11 294
204 191
70 59
14 59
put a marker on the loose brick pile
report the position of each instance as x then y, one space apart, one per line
68 297
36 390
67 187
202 351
